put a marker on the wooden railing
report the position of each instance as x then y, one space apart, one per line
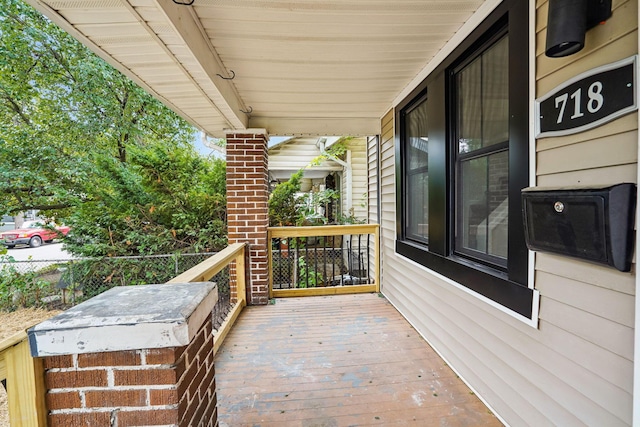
232 256
324 260
24 377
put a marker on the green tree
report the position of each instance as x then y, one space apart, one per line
59 104
37 122
165 198
283 202
81 142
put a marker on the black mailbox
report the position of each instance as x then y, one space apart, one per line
593 224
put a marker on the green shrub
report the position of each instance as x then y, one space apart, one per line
18 290
307 276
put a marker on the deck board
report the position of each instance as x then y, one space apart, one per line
344 360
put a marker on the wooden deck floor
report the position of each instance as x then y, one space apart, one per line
347 360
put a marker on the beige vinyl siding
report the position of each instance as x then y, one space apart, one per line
387 199
387 188
589 302
296 154
600 156
359 174
387 194
300 152
576 368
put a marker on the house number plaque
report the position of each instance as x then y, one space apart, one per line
588 100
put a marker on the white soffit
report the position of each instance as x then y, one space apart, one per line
303 67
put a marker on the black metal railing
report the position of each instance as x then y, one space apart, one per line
306 262
323 256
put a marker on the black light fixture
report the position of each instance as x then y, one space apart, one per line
569 20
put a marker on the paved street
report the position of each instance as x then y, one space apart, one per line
48 251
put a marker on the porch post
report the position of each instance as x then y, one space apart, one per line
247 210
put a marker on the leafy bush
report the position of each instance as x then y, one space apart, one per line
307 276
311 202
165 199
18 290
283 202
81 142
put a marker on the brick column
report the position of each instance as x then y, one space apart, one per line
168 386
131 357
247 210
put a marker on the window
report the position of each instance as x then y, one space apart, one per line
463 158
416 141
482 160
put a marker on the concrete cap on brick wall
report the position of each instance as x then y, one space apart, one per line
127 318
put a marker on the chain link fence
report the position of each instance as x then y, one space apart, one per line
65 283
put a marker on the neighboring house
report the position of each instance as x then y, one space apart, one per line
445 94
347 175
7 222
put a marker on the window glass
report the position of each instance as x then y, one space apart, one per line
495 93
417 178
483 99
484 205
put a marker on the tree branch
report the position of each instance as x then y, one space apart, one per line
47 207
15 107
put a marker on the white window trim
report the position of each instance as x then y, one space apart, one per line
535 304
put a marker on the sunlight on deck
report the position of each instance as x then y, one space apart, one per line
345 360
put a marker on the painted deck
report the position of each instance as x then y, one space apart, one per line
345 360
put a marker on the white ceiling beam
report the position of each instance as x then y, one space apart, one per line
303 126
188 27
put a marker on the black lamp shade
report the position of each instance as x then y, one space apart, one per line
569 20
566 27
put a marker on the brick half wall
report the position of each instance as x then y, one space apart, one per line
164 386
247 205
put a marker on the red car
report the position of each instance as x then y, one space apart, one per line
32 233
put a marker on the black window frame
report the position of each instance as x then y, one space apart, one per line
508 285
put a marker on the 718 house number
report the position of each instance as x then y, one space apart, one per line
588 100
596 100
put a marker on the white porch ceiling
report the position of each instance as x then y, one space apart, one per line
302 67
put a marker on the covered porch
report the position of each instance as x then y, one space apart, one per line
341 360
544 339
332 358
343 355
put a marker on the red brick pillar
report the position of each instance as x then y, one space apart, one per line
247 210
132 356
165 386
